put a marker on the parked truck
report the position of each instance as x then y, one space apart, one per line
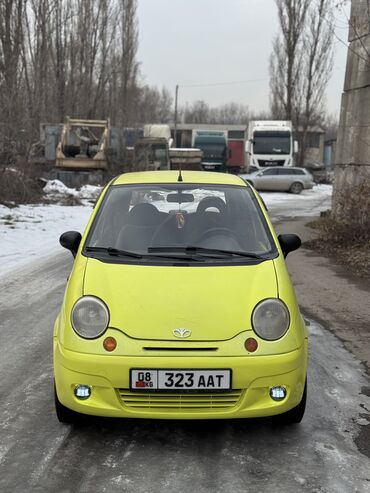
270 143
152 150
213 144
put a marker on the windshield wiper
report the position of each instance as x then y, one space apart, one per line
202 250
114 252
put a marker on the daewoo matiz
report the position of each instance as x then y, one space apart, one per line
179 306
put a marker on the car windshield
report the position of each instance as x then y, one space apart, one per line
212 150
271 143
152 219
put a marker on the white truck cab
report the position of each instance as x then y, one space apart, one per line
270 143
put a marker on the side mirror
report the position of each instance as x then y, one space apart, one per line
71 241
296 147
289 243
230 153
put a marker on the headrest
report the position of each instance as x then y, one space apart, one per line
143 215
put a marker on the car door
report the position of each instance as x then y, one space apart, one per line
285 180
266 179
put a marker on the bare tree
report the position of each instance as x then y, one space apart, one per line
129 46
198 112
11 14
301 64
317 68
286 58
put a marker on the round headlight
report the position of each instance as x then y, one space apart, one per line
270 319
89 317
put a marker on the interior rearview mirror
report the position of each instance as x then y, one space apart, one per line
71 241
289 243
180 198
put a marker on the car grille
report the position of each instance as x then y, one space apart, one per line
179 400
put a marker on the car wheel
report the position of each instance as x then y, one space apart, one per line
64 414
296 414
296 188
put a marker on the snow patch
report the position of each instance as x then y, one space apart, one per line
30 232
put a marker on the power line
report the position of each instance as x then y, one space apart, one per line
214 84
348 46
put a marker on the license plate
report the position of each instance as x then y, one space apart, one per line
180 380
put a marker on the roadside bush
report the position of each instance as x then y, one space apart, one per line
353 205
18 187
347 241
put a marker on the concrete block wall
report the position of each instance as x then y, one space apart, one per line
352 170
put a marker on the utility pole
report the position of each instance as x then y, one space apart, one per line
352 168
175 117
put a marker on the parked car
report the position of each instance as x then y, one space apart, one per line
180 306
281 179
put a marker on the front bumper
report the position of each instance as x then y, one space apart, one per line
252 378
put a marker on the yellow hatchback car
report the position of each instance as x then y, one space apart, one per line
180 306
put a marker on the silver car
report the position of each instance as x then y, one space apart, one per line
280 179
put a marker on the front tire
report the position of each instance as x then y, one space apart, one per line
295 415
65 415
296 188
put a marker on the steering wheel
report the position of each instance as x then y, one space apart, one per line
218 231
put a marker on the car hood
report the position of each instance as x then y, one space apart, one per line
149 302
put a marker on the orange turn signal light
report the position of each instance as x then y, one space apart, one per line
110 344
251 345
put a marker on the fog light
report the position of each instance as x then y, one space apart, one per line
82 392
278 393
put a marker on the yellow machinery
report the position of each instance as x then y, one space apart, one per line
83 144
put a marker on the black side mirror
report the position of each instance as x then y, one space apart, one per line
289 243
71 241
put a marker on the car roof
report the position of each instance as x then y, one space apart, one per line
281 167
205 177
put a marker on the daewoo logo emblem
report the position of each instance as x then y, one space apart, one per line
182 333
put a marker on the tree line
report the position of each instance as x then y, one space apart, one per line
72 57
79 58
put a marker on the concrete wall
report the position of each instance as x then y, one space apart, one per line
352 170
315 154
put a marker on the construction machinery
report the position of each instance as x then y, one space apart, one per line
83 145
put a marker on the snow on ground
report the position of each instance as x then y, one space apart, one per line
29 232
56 189
307 203
316 192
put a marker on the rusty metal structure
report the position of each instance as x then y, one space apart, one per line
83 145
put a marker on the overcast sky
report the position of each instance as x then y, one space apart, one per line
191 42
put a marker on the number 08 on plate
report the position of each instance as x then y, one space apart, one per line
180 380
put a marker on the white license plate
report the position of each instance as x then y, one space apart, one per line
180 380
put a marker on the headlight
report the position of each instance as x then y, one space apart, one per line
270 319
89 317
